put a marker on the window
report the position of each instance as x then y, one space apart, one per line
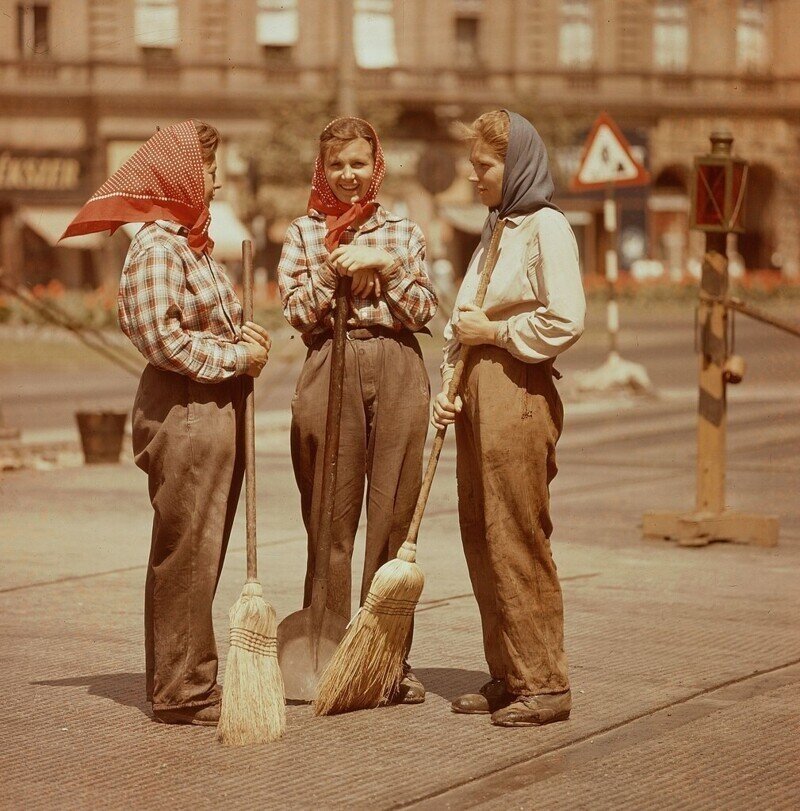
277 28
33 30
156 26
751 36
467 42
373 34
671 36
576 34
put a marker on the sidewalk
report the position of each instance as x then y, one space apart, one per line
685 663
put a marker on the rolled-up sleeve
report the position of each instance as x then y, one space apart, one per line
554 273
150 315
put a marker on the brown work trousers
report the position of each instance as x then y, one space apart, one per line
187 437
506 439
382 439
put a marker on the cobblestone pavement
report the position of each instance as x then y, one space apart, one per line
684 662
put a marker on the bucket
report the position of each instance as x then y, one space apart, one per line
101 435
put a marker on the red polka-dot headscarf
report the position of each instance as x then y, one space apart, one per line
340 216
162 180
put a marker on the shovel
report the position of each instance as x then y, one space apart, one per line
308 638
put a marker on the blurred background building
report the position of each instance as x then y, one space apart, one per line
84 82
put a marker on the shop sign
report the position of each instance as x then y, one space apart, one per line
39 171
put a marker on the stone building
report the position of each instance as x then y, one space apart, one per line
84 81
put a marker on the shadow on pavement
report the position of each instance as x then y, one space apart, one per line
449 683
127 689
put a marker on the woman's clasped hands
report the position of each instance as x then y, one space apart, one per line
364 264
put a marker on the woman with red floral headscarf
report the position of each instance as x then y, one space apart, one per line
386 388
179 309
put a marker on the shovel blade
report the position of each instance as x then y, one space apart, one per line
304 654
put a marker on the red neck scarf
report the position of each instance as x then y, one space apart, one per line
162 180
339 216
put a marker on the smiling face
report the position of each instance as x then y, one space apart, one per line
210 185
487 174
349 170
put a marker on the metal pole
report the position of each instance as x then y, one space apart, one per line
712 403
346 104
612 271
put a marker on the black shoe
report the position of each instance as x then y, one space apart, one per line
207 716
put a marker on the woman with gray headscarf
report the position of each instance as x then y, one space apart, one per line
508 419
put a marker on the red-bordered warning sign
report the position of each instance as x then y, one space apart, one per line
608 160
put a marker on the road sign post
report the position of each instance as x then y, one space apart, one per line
607 163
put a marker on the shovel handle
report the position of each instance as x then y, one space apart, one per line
332 429
455 381
249 420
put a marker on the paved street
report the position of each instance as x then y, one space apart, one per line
685 662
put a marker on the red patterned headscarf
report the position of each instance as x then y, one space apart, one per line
162 180
340 216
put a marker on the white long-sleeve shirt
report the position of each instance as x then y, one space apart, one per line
535 291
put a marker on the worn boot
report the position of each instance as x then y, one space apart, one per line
526 711
207 716
410 689
492 696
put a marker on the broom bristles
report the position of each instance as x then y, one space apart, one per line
368 664
253 704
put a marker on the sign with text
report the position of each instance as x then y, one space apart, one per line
28 171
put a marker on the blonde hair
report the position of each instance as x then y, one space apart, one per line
491 129
209 141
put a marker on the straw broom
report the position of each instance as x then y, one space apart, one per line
253 706
367 667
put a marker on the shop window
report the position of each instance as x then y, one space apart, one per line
752 53
156 28
468 42
33 30
576 35
277 29
671 36
374 34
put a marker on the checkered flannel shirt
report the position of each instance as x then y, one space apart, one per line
179 309
308 284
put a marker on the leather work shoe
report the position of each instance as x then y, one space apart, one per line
410 690
527 711
207 716
491 697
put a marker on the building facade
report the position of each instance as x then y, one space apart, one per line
82 82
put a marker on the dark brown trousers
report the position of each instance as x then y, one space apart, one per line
187 437
383 429
506 438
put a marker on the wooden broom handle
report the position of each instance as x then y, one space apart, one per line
249 421
455 381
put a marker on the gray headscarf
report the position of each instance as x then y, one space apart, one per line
527 182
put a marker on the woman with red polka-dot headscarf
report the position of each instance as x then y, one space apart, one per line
386 390
180 310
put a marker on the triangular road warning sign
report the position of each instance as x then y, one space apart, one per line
607 159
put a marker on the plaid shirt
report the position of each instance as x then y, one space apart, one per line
308 284
179 309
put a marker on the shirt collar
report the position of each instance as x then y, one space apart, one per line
173 227
378 219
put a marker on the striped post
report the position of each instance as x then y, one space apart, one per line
612 271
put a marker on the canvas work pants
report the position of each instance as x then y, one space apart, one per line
506 437
187 437
382 438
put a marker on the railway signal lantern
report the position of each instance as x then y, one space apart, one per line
718 188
